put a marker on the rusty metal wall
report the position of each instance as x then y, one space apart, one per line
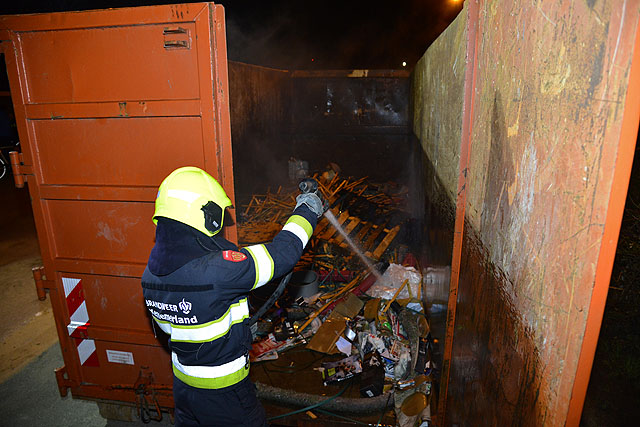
356 118
259 98
542 124
437 100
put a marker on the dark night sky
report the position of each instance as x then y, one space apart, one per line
288 34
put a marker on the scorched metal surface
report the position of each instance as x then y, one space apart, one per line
108 103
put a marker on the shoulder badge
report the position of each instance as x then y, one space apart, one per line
233 256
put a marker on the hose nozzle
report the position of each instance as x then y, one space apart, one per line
308 185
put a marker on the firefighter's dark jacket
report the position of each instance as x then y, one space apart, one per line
196 289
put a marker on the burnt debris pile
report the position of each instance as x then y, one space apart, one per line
365 316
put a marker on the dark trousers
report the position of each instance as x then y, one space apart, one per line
236 405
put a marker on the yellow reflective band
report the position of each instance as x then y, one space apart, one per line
263 264
299 226
210 331
187 196
211 376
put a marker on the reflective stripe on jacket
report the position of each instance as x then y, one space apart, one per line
203 304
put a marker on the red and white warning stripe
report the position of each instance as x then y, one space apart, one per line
79 320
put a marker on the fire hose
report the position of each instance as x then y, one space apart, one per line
272 299
354 405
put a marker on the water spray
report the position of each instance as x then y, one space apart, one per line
334 221
309 185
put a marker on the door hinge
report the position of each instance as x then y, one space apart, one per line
42 284
19 177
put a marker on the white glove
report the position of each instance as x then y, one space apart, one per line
312 201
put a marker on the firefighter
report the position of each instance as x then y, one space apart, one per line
195 285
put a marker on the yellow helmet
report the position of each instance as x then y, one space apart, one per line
193 197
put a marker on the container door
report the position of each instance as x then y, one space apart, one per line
108 103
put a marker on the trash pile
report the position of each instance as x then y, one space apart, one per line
335 306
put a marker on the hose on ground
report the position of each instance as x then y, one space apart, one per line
272 299
351 405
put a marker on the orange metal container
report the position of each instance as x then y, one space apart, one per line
108 103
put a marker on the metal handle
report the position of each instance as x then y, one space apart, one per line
178 30
179 38
176 44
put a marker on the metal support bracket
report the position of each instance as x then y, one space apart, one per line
64 383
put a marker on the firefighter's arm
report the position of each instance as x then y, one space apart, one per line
278 257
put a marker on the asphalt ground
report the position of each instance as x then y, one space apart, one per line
31 398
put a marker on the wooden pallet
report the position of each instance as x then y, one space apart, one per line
265 215
372 239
